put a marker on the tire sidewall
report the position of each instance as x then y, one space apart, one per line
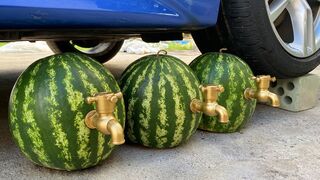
276 55
104 56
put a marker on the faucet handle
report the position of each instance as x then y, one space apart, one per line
211 88
264 81
114 97
91 100
103 118
220 88
210 106
262 94
105 102
211 92
257 79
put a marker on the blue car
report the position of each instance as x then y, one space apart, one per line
278 37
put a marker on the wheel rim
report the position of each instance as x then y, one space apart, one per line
296 24
99 48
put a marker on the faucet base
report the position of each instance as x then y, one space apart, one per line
89 120
249 94
195 106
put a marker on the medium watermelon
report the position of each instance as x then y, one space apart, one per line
235 76
47 110
158 90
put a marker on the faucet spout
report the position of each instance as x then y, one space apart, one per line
106 124
116 132
210 107
223 114
262 94
103 118
273 99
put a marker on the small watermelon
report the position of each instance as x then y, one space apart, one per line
158 90
235 76
47 109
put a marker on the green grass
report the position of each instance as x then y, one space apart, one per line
174 46
2 43
81 48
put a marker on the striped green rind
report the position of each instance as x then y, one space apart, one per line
158 90
235 75
47 110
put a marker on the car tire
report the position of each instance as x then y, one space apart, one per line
245 29
106 52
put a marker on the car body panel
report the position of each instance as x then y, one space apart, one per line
104 14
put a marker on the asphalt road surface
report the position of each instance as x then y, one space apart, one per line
275 144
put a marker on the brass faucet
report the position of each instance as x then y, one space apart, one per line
262 94
103 118
210 107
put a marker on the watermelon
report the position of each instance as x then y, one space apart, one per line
158 90
235 76
47 109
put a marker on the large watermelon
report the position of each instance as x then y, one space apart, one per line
47 110
235 76
158 90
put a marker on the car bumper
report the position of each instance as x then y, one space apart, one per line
125 14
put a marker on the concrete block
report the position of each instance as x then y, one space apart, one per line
297 94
